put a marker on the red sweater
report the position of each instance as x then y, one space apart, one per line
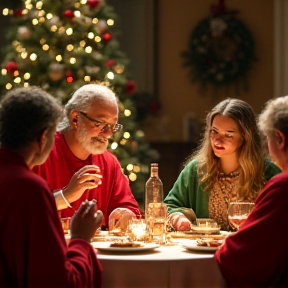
33 251
257 255
114 192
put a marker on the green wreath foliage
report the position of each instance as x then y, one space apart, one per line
221 51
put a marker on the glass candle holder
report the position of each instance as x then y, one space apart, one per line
138 230
66 224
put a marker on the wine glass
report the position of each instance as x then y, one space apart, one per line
238 213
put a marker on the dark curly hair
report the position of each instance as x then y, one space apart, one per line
24 114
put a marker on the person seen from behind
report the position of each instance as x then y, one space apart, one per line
33 251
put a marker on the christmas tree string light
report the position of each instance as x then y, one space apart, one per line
62 45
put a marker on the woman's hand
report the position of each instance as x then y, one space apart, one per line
86 220
180 222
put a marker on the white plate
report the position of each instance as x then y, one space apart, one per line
106 247
192 245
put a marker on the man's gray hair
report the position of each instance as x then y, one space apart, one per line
274 116
83 98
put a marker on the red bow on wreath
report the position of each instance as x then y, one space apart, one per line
220 49
220 9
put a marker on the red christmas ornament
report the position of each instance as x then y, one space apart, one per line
211 62
106 37
93 3
130 87
69 77
110 63
154 107
11 67
18 12
69 14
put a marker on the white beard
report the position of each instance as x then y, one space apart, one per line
94 145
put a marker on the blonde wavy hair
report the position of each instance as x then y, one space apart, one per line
251 158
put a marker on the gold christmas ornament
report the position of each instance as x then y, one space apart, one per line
56 72
23 33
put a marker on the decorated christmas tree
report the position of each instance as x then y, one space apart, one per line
60 46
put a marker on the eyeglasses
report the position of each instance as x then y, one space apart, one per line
105 127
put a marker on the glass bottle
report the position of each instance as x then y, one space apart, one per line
155 209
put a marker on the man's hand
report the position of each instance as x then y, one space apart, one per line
88 177
120 217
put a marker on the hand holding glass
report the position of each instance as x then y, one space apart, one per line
238 213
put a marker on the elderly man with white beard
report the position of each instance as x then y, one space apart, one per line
80 166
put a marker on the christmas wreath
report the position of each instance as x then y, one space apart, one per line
221 49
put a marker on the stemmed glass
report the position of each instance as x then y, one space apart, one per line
238 213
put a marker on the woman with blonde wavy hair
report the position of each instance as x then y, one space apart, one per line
228 166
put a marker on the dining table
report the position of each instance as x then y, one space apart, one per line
172 265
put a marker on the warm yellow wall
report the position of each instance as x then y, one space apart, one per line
176 93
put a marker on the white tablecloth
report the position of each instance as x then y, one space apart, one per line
166 266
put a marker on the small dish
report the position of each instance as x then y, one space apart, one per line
205 226
205 230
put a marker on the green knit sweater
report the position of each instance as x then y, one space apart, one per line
186 194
